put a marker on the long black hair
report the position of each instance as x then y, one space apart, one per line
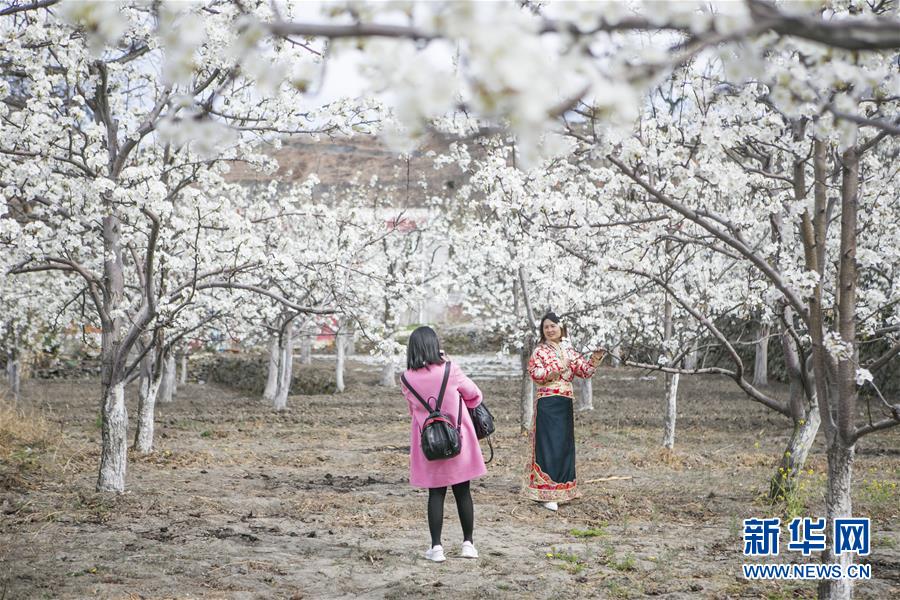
423 349
552 317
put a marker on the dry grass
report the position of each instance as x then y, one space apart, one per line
23 432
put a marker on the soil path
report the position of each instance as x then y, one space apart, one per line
241 502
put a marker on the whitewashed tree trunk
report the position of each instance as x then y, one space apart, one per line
167 385
526 391
172 366
114 452
585 399
761 362
671 410
272 376
387 374
148 390
182 376
350 344
113 357
286 368
804 414
340 350
306 348
14 374
838 505
794 456
691 359
526 385
615 359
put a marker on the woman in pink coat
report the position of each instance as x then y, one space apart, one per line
425 371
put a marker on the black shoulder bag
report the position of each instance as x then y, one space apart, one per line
483 421
439 438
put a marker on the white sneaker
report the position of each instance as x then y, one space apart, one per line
468 550
551 506
435 554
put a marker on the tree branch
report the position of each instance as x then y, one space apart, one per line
308 310
22 8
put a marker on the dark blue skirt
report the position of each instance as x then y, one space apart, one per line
551 475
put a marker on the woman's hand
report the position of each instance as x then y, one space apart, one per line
597 357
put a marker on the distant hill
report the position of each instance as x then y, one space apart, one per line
337 162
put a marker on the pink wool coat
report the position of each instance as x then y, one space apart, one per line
469 463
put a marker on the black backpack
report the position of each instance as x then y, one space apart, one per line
439 438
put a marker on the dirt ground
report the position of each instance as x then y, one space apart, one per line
240 502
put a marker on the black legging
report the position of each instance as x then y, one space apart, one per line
463 506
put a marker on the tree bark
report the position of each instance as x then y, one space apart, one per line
306 348
167 385
182 378
339 348
838 504
615 360
172 366
795 454
692 358
585 400
387 374
804 414
286 367
151 377
761 362
671 410
14 373
526 387
847 395
841 436
114 451
114 416
272 377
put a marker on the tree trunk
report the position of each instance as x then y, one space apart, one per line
114 451
615 360
182 379
306 348
804 413
761 363
350 344
339 348
148 390
841 435
671 409
585 399
272 377
114 416
14 374
286 367
526 389
387 374
794 457
838 505
691 358
172 370
167 385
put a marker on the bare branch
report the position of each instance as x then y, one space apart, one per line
308 310
731 240
886 423
850 34
22 8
